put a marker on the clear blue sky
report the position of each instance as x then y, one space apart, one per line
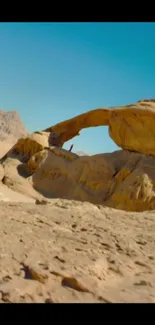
50 72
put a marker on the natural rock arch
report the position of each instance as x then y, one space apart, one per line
68 129
121 179
131 127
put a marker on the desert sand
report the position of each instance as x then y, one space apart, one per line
66 251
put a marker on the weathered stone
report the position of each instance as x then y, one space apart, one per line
123 179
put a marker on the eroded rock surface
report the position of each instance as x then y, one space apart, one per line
38 166
11 126
122 179
68 129
131 126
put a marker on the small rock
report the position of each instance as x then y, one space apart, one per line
41 202
59 259
143 283
151 257
74 225
141 242
35 273
7 278
49 301
74 284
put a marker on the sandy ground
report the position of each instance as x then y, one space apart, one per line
7 195
68 251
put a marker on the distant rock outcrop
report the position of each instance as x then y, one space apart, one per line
11 129
81 153
11 126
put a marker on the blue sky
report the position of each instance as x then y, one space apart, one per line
50 72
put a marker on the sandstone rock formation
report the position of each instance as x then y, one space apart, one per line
11 129
131 127
123 179
70 128
11 126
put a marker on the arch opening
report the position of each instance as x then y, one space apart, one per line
91 141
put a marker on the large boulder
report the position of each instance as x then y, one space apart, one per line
122 180
63 174
26 147
133 187
132 127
